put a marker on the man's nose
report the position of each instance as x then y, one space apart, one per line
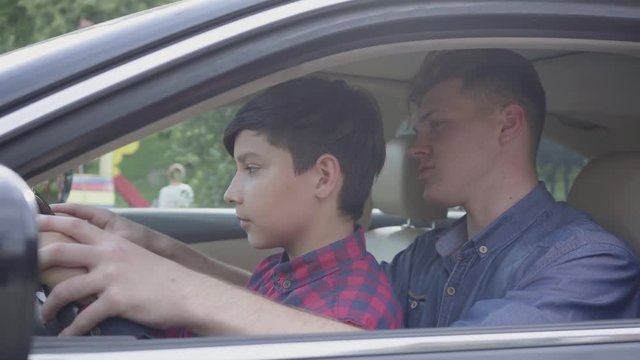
232 195
420 148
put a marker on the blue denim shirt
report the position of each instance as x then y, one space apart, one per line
539 262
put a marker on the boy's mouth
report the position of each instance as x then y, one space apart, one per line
244 223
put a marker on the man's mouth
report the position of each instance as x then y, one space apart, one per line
425 170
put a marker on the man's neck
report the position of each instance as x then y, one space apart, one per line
495 198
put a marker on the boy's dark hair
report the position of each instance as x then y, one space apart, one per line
494 74
312 116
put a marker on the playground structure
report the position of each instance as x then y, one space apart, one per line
99 189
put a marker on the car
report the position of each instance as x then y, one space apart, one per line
75 98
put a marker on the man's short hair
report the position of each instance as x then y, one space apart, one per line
497 74
313 116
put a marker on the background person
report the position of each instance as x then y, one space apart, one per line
177 194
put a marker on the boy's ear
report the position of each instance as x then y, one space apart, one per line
513 123
329 175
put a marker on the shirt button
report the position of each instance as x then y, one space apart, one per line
483 249
286 284
96 331
451 290
413 304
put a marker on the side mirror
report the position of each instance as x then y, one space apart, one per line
56 190
18 264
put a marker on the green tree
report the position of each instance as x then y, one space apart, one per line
197 144
24 22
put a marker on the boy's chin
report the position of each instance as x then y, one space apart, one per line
260 243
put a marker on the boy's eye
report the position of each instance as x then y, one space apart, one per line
250 169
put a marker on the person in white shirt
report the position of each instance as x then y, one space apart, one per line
177 194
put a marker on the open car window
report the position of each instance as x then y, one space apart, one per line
558 167
134 175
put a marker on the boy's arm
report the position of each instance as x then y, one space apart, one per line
136 284
151 240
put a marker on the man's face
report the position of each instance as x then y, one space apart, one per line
273 204
456 143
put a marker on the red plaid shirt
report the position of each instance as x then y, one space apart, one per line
341 281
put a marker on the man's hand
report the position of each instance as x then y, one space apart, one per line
55 275
110 222
127 280
154 241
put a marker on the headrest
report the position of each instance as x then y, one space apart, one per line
398 190
608 188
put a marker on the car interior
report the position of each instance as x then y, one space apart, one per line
592 114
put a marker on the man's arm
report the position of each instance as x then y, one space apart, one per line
181 253
153 241
592 282
238 311
134 283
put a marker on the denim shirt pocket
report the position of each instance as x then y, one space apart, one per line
415 301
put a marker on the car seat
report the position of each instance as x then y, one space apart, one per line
398 191
608 188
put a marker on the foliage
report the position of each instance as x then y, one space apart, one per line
197 144
558 167
23 22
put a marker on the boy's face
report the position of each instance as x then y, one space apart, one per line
456 143
274 205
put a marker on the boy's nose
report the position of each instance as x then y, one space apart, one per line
232 195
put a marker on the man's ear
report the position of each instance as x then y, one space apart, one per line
513 123
330 175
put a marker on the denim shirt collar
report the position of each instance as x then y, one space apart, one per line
501 231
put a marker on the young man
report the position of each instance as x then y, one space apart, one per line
307 152
517 257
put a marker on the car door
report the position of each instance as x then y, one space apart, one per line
188 57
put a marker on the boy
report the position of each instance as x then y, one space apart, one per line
307 152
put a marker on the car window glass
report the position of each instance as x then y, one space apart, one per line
558 166
135 175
